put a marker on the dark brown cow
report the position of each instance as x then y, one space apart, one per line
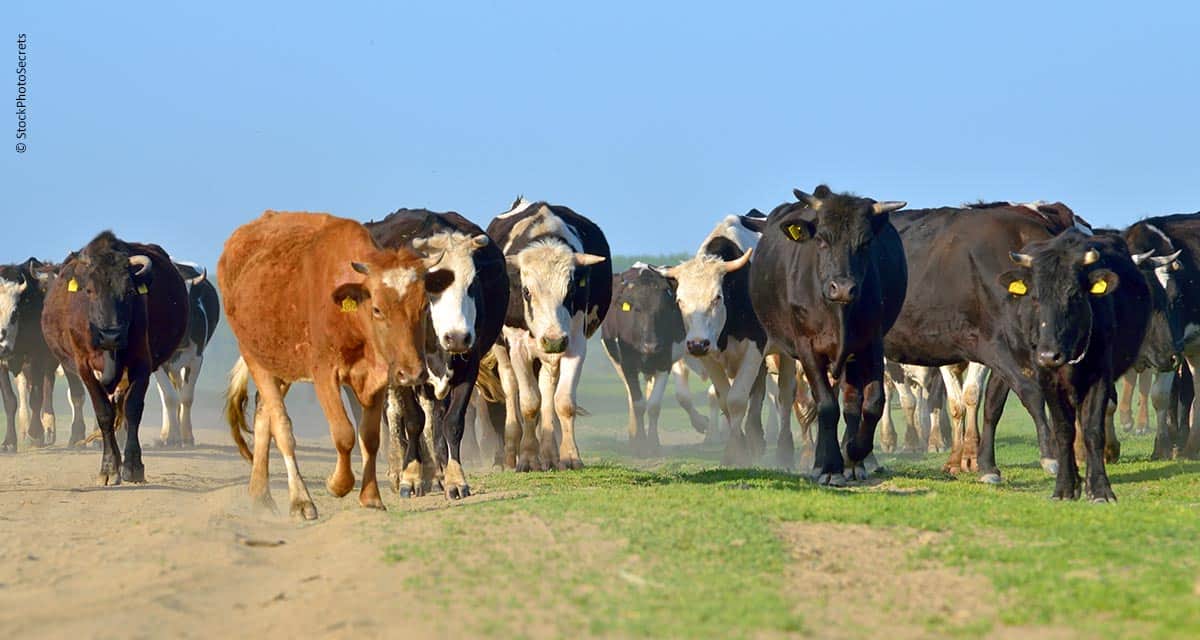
312 297
117 311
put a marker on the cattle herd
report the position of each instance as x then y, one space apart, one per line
820 307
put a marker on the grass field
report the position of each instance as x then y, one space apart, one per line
678 547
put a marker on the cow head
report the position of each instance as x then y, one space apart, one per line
192 274
13 283
1166 263
1061 276
700 294
645 300
547 275
452 286
842 233
384 292
1165 331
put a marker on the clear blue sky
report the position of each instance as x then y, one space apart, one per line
177 124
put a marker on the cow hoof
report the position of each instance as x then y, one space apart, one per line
990 478
304 509
410 490
51 437
8 448
108 479
458 492
136 475
569 464
1050 466
374 502
1101 500
188 443
831 480
1112 453
857 473
523 466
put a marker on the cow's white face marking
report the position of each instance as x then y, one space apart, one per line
699 297
546 271
453 310
731 228
400 279
10 296
541 224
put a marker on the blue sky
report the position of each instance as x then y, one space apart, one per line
177 123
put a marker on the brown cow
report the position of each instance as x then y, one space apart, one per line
117 311
312 297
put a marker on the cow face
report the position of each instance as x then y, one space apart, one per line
452 287
1165 331
111 280
1060 277
701 299
390 306
547 274
842 233
13 283
645 300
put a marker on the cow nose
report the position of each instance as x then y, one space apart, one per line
412 378
108 338
1051 359
841 290
554 345
698 347
456 341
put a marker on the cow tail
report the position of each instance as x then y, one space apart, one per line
487 383
235 406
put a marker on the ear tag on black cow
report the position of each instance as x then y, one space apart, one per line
143 289
795 232
625 306
72 285
1017 288
1099 287
349 305
583 282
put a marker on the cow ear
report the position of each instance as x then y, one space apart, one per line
1014 282
798 230
1102 282
755 224
438 280
349 295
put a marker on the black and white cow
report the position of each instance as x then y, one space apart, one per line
468 299
23 352
723 333
177 377
560 273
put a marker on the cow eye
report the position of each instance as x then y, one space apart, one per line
377 313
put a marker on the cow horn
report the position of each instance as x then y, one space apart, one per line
141 262
587 259
888 206
738 263
1023 259
1162 261
200 278
24 284
1139 258
420 245
1091 256
807 199
361 268
480 241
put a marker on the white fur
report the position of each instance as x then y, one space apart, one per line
731 227
520 205
698 296
453 310
400 279
10 296
546 271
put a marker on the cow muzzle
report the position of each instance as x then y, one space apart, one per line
841 290
457 341
410 377
108 339
699 348
554 345
1051 358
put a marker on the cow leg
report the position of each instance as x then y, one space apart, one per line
75 394
756 442
454 481
828 464
397 441
931 411
1094 415
770 428
1145 380
110 462
995 394
25 413
1067 486
189 377
528 397
470 441
10 411
36 379
412 478
548 446
1165 396
169 437
495 415
565 391
368 445
49 420
914 440
972 389
271 392
1129 382
341 431
1112 446
862 407
683 396
806 414
636 404
1029 392
887 429
1191 447
785 447
132 468
657 387
512 413
954 400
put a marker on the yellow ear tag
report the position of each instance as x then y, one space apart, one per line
72 285
794 231
583 282
1017 287
349 305
1099 287
625 306
143 289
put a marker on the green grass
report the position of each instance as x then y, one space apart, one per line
689 549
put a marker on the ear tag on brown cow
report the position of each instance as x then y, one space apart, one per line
143 289
1099 287
349 305
795 232
1017 288
72 285
625 306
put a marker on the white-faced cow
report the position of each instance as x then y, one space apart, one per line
116 312
177 377
467 286
313 297
560 274
827 284
723 333
23 352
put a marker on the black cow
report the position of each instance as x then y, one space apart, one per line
177 377
117 312
643 337
24 353
468 299
1082 304
827 282
560 275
